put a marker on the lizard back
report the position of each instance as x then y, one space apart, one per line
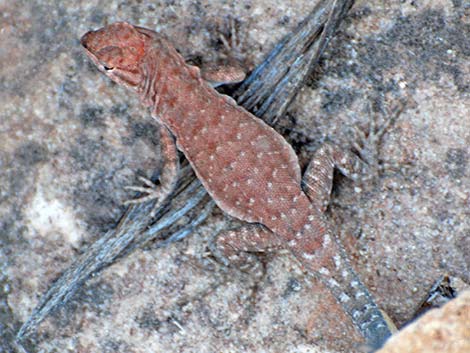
249 169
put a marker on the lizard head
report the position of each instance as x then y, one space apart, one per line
118 50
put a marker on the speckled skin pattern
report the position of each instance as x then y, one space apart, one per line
250 171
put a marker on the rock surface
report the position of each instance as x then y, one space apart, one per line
446 329
70 140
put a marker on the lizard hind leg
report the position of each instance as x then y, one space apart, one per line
168 176
237 246
367 143
317 180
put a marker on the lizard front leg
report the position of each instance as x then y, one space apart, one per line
230 70
168 176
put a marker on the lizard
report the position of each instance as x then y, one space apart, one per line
249 169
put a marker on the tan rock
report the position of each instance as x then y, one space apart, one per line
446 329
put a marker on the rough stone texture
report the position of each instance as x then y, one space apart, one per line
70 141
440 330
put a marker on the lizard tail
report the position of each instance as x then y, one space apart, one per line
321 253
356 300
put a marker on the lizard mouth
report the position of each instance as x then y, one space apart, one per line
87 43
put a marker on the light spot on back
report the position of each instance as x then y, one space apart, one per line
338 261
344 298
359 295
292 243
324 271
333 282
308 256
326 240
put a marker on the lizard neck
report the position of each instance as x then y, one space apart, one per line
169 83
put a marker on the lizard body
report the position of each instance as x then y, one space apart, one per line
249 169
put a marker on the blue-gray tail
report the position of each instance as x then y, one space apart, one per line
356 301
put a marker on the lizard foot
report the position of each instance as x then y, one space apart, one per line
367 143
150 192
230 38
237 247
168 176
228 70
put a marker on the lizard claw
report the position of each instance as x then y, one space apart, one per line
232 41
150 192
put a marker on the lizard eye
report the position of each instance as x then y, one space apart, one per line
107 68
